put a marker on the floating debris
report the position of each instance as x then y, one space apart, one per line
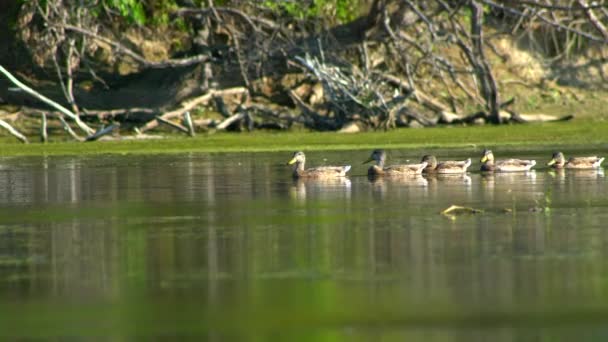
455 210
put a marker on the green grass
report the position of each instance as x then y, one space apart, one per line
583 134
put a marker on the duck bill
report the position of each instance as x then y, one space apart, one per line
551 162
293 160
484 159
367 161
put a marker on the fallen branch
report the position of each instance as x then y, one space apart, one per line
46 100
68 129
545 117
191 104
111 113
311 114
44 137
189 124
422 98
227 122
13 131
172 125
100 133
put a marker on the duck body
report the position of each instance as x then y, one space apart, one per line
379 156
299 159
506 165
445 167
558 161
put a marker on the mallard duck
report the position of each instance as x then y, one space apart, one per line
559 162
316 172
506 165
445 167
393 170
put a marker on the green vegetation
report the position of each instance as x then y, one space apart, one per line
584 134
343 10
132 10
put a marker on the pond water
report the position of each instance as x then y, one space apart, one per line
219 246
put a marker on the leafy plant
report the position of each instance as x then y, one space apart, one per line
132 10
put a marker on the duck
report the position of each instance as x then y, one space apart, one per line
506 165
299 159
379 169
558 161
445 167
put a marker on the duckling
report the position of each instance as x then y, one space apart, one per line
379 169
506 165
299 159
445 167
558 161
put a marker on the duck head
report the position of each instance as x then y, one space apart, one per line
377 155
487 157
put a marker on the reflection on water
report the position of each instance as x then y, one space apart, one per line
228 245
321 188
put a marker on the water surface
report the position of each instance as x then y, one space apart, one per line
217 246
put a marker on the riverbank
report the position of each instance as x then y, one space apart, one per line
575 135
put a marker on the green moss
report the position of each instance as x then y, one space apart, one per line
583 134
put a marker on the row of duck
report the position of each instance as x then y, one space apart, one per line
429 164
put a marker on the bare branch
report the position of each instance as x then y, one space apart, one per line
46 100
13 131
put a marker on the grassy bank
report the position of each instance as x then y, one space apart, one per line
574 135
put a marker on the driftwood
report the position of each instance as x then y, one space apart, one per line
44 136
188 122
230 120
172 125
48 101
193 103
104 131
454 210
13 131
68 129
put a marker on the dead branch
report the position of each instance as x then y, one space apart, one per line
44 137
134 55
68 129
13 131
188 121
172 125
46 100
489 89
230 120
193 103
594 19
104 131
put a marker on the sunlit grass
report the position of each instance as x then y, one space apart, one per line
580 133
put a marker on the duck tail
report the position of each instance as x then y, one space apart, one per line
467 163
532 163
599 162
346 168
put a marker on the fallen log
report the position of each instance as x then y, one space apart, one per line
545 117
233 118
